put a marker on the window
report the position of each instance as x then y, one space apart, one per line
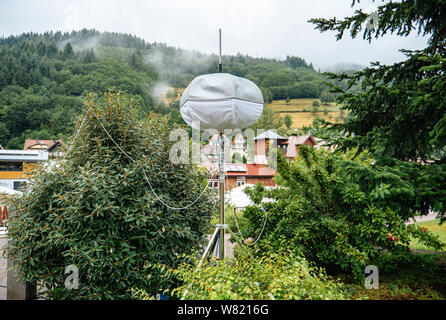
213 183
19 184
11 166
241 181
16 185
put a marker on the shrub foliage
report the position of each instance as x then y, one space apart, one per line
277 275
94 209
336 212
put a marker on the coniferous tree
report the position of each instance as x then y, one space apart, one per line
68 51
400 110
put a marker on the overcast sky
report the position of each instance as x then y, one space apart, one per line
261 28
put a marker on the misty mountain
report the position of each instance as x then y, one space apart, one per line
343 67
44 77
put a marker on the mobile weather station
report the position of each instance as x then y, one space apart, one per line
220 101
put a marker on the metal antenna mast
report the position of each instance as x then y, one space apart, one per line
221 183
218 237
255 108
219 55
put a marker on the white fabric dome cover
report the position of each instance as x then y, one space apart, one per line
221 101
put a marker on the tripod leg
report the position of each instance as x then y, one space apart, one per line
209 247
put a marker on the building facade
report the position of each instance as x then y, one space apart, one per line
255 170
17 165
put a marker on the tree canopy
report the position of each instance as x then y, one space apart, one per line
341 214
94 209
400 110
43 77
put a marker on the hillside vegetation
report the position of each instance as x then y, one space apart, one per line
44 78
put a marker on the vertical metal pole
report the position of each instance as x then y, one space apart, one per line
221 186
235 212
219 55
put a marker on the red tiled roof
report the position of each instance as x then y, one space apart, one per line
32 142
252 170
255 170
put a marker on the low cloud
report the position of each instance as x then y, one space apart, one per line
260 28
159 90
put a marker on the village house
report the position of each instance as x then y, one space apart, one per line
47 145
236 147
16 165
263 144
239 174
289 147
254 170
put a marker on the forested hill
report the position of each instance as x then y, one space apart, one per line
44 77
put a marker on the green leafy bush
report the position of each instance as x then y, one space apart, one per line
94 209
338 213
279 276
389 262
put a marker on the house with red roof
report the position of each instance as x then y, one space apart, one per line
290 147
239 174
36 144
257 170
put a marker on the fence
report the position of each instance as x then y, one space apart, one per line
4 215
13 290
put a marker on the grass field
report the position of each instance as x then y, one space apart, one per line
435 228
414 280
302 111
171 90
410 282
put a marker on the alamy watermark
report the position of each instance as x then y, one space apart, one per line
72 280
186 150
372 20
372 279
